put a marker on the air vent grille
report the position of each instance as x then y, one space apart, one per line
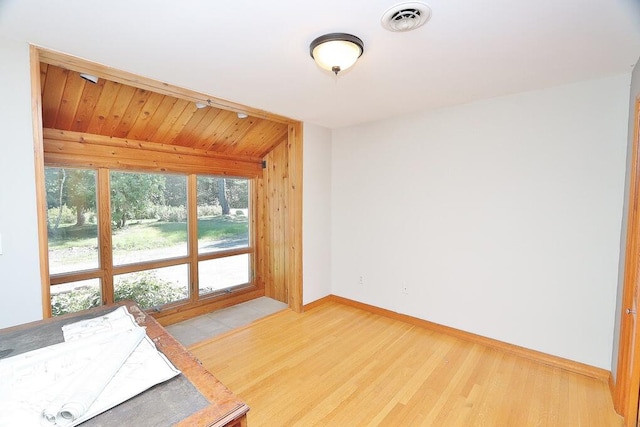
406 16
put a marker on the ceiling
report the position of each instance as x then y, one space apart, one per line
108 108
257 53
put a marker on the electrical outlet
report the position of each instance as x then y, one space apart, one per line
405 289
361 280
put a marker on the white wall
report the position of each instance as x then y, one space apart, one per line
634 94
20 295
501 217
316 212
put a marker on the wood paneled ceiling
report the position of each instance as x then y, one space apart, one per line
116 110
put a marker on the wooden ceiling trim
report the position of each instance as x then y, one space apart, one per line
144 146
130 79
110 156
161 165
43 75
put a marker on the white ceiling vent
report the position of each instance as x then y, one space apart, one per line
406 16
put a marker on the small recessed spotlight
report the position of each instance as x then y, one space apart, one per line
90 78
200 105
242 115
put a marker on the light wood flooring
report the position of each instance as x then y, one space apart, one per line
337 365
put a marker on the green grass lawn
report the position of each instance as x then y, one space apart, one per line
150 234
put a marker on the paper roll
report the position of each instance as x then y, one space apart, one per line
87 384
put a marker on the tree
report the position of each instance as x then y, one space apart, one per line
62 177
222 196
131 193
237 191
81 192
175 190
70 187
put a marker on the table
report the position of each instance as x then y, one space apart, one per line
193 398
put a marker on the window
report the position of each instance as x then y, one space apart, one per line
137 241
223 226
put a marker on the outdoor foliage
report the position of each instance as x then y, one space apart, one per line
145 288
132 193
148 213
76 300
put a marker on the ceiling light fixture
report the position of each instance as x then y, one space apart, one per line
336 51
242 115
90 78
201 105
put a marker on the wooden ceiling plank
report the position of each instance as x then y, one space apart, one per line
103 106
170 135
171 118
118 109
273 143
207 138
204 128
227 118
154 113
87 105
264 142
52 95
131 114
235 133
70 99
191 130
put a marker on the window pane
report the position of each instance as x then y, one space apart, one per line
152 288
72 219
149 216
222 273
223 213
75 296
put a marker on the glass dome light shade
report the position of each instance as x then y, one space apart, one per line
336 52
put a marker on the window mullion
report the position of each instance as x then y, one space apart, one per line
192 227
104 234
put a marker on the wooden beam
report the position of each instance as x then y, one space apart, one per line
294 232
72 148
41 197
70 136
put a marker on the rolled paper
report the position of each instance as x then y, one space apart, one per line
87 384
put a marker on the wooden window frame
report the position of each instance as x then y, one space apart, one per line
107 271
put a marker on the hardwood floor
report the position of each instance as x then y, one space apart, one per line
336 365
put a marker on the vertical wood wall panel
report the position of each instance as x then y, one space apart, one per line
273 222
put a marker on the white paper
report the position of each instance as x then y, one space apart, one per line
97 367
